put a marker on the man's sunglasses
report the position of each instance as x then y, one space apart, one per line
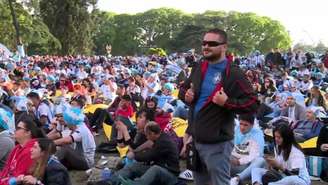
212 43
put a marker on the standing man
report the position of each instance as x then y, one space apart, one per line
216 90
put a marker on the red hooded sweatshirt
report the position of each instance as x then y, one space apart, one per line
18 162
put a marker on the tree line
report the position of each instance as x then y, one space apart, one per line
70 27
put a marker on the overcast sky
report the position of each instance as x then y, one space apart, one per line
306 20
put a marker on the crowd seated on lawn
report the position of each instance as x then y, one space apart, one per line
56 109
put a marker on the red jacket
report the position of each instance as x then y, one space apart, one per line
18 162
163 119
127 113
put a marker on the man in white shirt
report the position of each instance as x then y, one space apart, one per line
109 88
81 156
306 84
43 111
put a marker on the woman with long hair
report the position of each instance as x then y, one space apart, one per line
316 98
268 88
46 169
288 162
253 78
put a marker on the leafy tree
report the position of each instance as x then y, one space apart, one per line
34 33
320 48
159 26
189 37
77 27
104 32
70 22
127 35
246 31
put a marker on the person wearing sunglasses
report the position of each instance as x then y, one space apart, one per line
216 91
19 160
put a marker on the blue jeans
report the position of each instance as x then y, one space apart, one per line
216 158
245 171
257 174
145 175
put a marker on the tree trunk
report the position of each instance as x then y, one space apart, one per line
15 23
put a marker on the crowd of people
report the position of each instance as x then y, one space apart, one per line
231 105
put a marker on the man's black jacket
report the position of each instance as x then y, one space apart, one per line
164 153
214 123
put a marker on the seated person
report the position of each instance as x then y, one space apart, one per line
125 108
180 109
47 169
59 127
288 161
80 156
123 113
134 91
42 109
6 141
308 128
248 151
124 138
316 98
162 115
322 145
263 114
121 91
108 89
19 160
277 104
165 95
293 110
157 165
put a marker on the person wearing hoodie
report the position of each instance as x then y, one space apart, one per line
248 150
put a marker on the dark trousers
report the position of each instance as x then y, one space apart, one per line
71 159
99 117
145 175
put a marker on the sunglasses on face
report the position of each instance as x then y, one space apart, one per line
212 43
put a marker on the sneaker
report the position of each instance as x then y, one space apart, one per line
234 181
186 175
312 178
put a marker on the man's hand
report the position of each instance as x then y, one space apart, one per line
130 155
20 178
29 179
186 140
189 96
324 147
220 97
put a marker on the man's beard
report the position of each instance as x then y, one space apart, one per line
212 57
